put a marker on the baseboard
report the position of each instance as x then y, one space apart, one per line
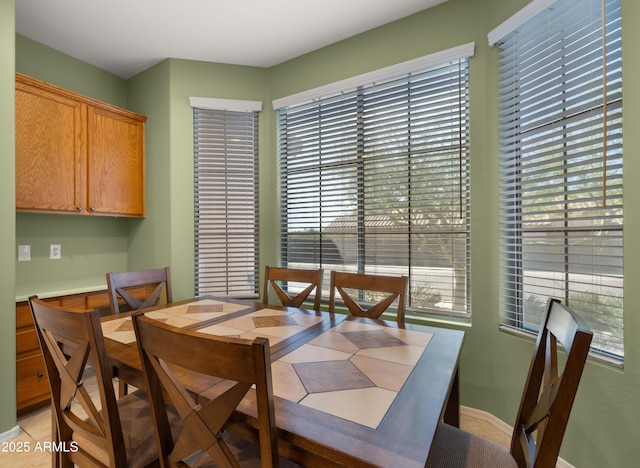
10 434
501 426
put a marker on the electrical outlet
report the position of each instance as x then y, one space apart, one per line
24 253
55 252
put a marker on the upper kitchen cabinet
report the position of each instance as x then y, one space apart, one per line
75 154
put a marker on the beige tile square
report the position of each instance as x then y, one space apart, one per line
202 316
112 325
366 406
347 326
335 341
268 312
283 332
211 302
384 374
175 310
158 315
125 337
221 330
286 383
311 353
180 322
241 323
253 334
408 355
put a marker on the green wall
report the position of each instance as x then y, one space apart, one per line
149 241
47 64
602 430
162 94
7 210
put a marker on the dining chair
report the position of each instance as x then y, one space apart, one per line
114 433
243 363
120 285
276 276
366 289
546 402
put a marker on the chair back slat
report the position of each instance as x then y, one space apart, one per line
350 284
119 285
276 276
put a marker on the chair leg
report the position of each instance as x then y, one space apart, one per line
55 455
122 388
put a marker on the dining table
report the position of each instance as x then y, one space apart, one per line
348 391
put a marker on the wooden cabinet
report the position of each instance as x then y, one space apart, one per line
75 154
32 385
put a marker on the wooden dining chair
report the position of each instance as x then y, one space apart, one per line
243 362
111 434
121 284
349 285
276 276
122 298
545 406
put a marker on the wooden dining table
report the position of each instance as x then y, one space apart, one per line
349 391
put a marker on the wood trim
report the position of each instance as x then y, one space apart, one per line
34 82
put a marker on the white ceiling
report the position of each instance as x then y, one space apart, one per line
126 37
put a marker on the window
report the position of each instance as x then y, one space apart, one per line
226 201
375 179
561 168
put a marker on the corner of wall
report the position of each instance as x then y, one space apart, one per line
7 214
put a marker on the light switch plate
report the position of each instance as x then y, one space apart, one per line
24 253
54 252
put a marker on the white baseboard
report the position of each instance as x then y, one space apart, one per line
502 426
10 434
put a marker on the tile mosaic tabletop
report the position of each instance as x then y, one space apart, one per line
353 371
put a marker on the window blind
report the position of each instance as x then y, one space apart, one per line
226 202
375 179
560 118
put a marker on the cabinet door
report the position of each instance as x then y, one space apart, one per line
115 163
50 151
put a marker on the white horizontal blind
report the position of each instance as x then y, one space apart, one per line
226 202
561 168
376 180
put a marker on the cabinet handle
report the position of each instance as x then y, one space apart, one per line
79 207
40 375
93 208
